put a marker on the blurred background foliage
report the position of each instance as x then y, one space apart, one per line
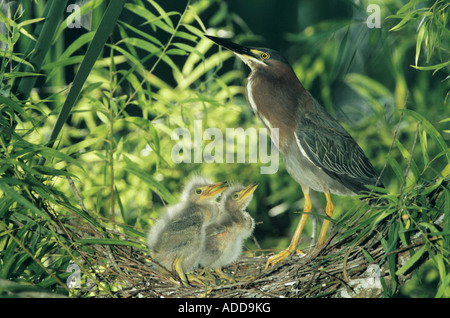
157 73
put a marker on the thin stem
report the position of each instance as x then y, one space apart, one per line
172 36
111 158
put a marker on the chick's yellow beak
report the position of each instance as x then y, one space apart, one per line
248 191
214 190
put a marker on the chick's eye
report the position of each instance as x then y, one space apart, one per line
235 196
198 191
265 56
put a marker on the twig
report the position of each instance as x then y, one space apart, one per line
410 157
77 194
406 248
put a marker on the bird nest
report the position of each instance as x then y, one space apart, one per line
355 265
330 272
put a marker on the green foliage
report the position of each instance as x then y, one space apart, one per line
431 30
85 159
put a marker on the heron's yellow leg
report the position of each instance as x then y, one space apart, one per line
296 238
329 211
179 269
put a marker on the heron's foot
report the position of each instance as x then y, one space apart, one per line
278 257
282 255
300 253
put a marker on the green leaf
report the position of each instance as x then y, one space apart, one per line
409 5
22 200
429 128
396 167
130 230
16 107
446 226
154 21
154 185
377 189
194 30
407 156
186 36
135 61
435 67
407 17
101 36
176 52
420 36
445 278
410 263
367 256
366 82
42 45
77 44
21 74
391 264
424 146
105 241
87 7
53 153
63 62
30 21
143 34
162 13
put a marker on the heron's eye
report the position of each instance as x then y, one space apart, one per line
198 191
265 55
235 196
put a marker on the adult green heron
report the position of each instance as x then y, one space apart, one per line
177 238
318 152
227 232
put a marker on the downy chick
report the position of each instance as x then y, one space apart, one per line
177 238
227 232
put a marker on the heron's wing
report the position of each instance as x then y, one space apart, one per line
329 146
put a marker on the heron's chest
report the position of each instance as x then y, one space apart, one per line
272 112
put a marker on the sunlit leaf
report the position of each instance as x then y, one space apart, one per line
430 129
155 185
162 13
411 261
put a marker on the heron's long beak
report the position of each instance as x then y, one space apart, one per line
240 50
249 55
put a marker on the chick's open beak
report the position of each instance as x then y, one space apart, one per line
248 191
214 190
